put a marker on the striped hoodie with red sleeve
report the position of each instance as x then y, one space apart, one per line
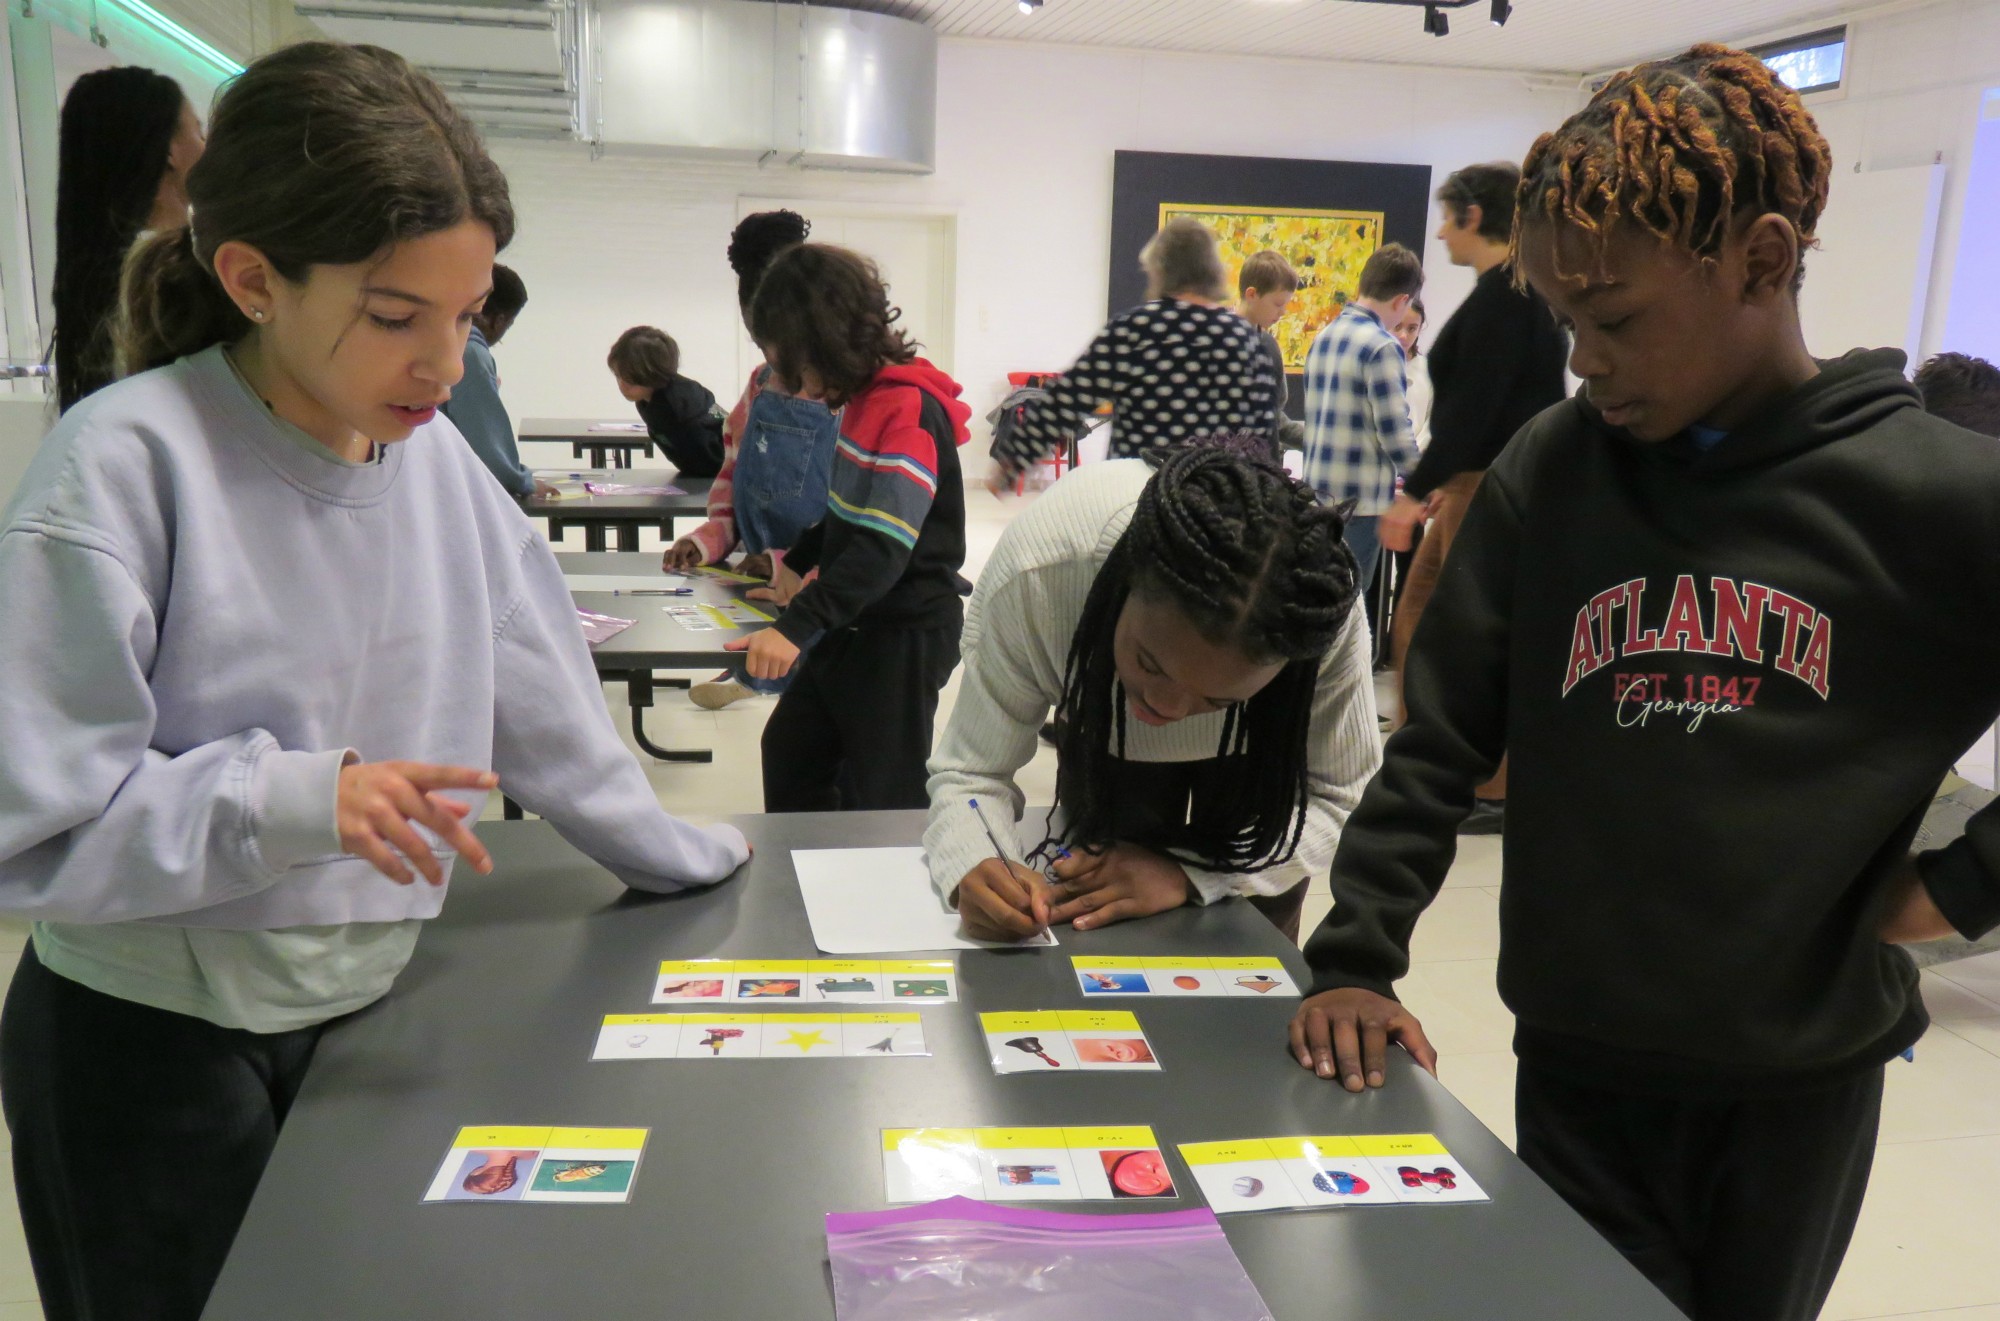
890 547
717 536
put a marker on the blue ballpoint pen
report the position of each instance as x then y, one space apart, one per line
1000 851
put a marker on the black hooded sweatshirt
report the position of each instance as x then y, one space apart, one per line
1730 682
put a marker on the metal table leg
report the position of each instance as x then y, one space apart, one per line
628 536
593 536
639 690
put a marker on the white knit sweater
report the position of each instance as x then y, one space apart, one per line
1016 642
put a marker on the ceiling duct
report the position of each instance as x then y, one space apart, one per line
803 85
794 84
516 67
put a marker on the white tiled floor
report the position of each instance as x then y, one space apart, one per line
1925 1243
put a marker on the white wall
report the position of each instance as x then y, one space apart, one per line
1914 83
23 423
1025 142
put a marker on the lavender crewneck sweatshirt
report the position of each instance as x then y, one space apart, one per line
205 612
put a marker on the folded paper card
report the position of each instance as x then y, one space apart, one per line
1272 1174
527 1164
1166 978
1025 1164
759 1036
805 981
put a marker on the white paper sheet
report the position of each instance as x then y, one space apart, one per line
880 901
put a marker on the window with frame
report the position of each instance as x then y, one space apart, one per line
1813 62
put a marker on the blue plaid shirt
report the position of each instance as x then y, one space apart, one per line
1358 433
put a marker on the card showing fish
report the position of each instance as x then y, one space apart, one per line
512 1163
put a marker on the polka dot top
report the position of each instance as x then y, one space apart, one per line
1171 371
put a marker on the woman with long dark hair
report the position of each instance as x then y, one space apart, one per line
1198 628
128 139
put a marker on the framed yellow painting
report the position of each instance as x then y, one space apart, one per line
1327 248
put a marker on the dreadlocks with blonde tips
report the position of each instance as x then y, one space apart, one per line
1680 148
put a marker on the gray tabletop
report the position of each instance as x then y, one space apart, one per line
616 447
616 563
567 429
494 1021
656 641
693 500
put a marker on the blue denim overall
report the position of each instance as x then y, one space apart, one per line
783 461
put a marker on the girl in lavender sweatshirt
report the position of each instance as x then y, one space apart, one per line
272 632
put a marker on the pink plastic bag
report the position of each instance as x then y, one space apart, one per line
596 628
961 1260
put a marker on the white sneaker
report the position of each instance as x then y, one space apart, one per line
718 693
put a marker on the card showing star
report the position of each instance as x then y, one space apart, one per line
806 1041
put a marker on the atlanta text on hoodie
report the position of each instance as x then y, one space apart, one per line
1730 681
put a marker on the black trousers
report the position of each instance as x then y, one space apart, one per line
853 732
1739 1210
139 1136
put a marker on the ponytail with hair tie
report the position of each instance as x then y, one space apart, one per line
171 304
319 154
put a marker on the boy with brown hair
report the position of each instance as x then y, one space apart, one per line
1265 287
679 412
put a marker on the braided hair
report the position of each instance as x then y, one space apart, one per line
1681 147
756 240
1255 562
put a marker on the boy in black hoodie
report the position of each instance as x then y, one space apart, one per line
1690 605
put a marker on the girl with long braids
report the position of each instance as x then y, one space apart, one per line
288 634
1198 628
127 141
1690 606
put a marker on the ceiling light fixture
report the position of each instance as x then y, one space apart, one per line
1502 11
1435 22
1029 6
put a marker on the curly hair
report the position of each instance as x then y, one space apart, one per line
758 238
1680 148
825 310
1254 561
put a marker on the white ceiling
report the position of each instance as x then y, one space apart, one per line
1555 36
